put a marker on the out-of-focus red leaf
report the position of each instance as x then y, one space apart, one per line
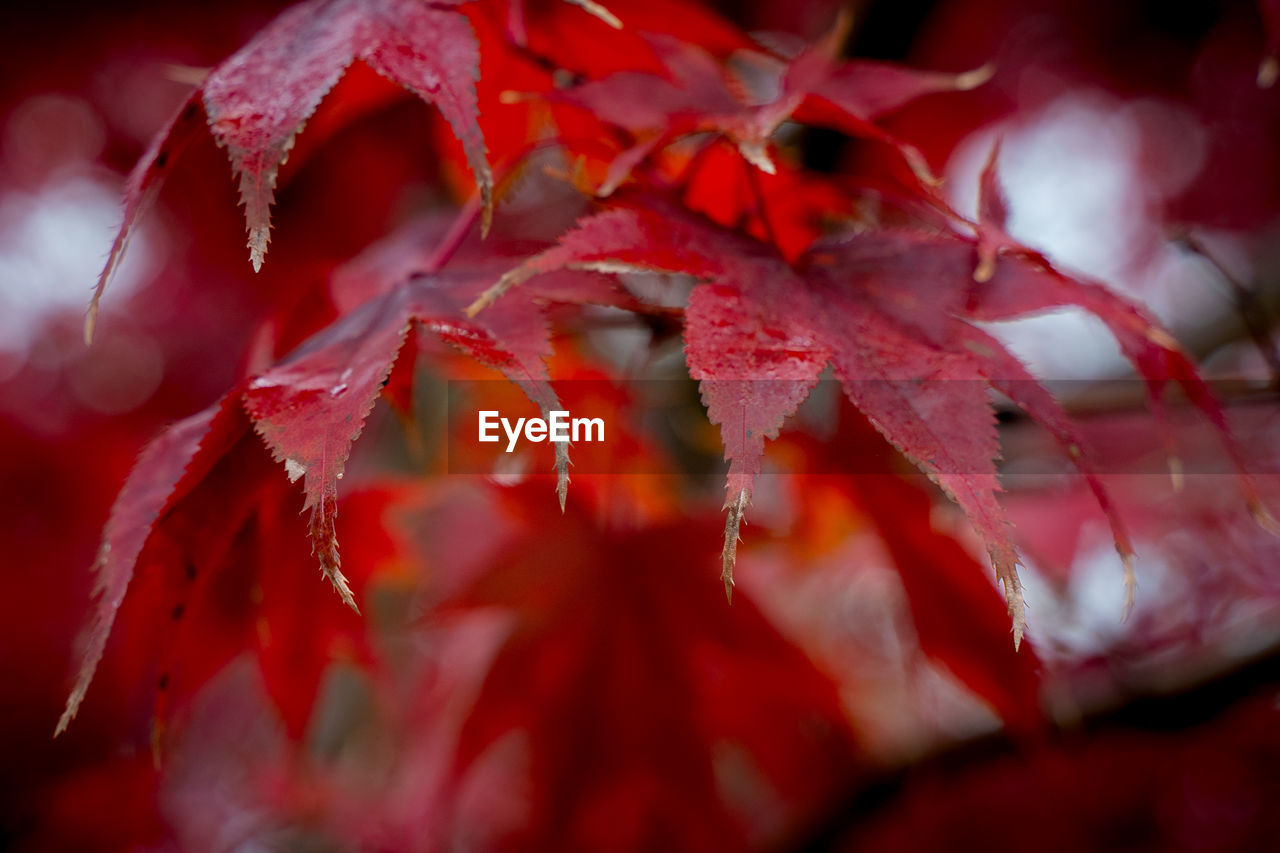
109 806
517 32
865 90
856 93
954 608
697 95
956 613
595 49
790 208
714 723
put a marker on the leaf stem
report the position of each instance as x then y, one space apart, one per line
1249 307
757 192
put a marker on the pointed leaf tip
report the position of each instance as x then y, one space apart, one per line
343 588
919 165
975 78
325 546
1263 517
257 244
985 269
330 568
597 11
562 473
756 153
1012 585
508 280
732 525
1268 71
90 321
1130 586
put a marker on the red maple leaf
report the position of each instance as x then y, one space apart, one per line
311 407
258 100
891 312
697 95
624 678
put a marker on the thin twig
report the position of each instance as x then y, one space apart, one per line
1252 312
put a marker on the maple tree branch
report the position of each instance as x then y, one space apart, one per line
1111 397
1249 307
1182 713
